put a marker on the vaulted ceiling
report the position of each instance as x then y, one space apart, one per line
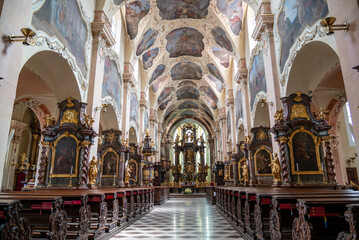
186 48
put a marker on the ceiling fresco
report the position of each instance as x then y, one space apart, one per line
186 70
158 72
165 93
187 93
220 37
149 57
177 9
212 69
148 39
188 104
188 49
135 11
185 41
217 83
233 10
188 113
222 55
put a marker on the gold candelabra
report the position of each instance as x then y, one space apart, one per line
299 181
114 180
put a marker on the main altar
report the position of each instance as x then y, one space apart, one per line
192 172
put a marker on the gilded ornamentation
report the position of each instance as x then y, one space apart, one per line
220 172
128 174
279 115
323 114
69 103
100 140
146 173
247 139
282 139
24 165
93 171
111 137
70 116
147 132
298 111
48 120
245 172
261 135
275 165
88 121
298 98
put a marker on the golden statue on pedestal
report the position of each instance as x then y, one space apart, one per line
127 174
245 172
276 171
93 171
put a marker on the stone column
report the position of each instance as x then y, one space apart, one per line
14 16
230 106
12 154
140 171
263 33
121 171
143 107
223 127
128 81
241 79
101 46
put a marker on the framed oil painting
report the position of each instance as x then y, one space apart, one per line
109 164
257 79
134 169
238 107
262 159
231 171
240 170
112 83
304 152
134 109
65 154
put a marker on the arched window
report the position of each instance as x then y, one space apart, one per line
349 124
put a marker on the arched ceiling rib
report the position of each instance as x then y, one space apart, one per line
186 48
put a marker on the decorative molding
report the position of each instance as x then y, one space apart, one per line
55 44
101 27
264 21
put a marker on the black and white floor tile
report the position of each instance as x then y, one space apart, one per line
181 219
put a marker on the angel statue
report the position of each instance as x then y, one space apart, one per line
93 171
276 172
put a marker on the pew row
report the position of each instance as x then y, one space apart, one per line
84 214
274 213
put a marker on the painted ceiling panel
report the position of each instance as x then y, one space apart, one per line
222 55
164 104
149 57
185 41
212 69
187 83
187 93
158 72
233 10
186 70
148 39
158 83
210 93
217 82
177 9
135 11
188 113
220 37
188 104
165 93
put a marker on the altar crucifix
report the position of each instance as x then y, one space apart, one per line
189 145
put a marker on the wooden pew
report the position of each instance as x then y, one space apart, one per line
41 216
321 218
351 215
12 226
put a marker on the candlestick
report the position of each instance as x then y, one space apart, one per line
99 184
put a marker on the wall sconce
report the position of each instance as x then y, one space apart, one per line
263 101
103 107
28 34
328 23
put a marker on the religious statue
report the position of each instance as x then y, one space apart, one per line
48 120
186 138
88 121
127 174
93 171
177 139
200 168
276 172
245 172
179 169
173 168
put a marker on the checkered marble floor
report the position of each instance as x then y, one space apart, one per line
181 219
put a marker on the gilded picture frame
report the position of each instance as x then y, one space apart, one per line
256 159
136 171
53 156
110 150
317 142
